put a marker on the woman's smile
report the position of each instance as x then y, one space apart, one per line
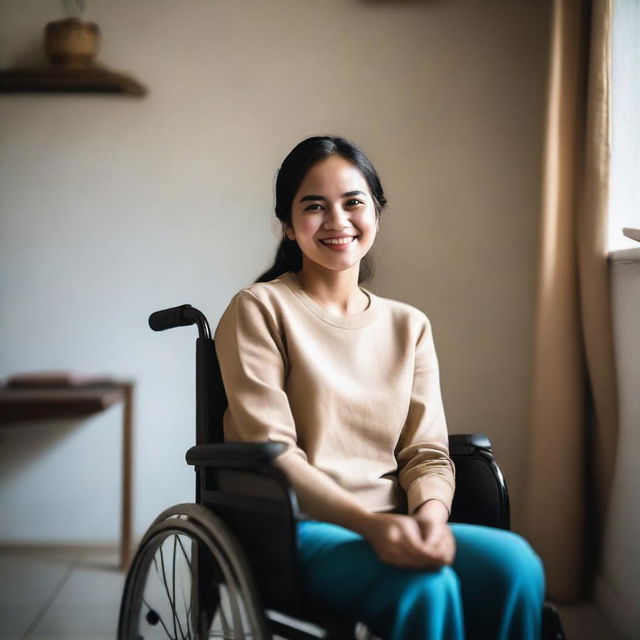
341 243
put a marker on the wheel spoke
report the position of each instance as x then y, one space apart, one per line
169 602
166 588
184 553
187 559
187 607
176 621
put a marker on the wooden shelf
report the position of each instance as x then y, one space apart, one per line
52 79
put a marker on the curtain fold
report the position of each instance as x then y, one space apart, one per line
573 403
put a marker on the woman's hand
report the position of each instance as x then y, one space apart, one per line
421 541
438 540
437 536
410 542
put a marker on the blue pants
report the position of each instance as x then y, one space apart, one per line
493 591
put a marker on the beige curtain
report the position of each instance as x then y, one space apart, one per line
573 411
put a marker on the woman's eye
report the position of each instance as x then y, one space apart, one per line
313 207
354 202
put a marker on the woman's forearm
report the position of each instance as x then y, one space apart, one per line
322 498
432 510
396 539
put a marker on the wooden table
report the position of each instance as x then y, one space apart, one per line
22 404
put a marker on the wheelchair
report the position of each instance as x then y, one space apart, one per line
226 566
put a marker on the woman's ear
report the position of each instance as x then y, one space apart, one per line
290 233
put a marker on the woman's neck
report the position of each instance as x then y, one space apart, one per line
337 292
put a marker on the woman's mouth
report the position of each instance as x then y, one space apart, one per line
338 243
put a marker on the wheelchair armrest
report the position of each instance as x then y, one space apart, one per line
235 455
466 443
252 454
481 495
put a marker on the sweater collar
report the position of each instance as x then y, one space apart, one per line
356 321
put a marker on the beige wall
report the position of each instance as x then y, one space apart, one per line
113 207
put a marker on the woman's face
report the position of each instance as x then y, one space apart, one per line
333 215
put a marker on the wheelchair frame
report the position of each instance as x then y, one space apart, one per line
245 505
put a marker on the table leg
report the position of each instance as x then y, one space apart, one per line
127 459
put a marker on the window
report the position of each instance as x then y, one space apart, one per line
624 195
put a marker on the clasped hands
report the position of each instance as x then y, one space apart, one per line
421 541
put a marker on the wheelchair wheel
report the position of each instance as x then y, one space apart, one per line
189 580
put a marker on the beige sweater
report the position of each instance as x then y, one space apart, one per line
356 397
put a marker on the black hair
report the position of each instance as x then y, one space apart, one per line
294 168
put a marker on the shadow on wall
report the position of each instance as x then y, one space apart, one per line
24 444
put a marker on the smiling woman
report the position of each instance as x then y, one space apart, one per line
349 382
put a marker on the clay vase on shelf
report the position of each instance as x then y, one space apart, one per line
71 43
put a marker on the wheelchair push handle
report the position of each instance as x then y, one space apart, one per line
181 316
170 318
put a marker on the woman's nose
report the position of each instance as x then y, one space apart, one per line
335 218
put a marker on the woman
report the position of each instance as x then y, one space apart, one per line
349 381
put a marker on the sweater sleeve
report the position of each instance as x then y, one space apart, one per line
253 363
425 470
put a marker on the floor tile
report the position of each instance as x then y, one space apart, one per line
88 602
28 578
81 620
91 586
28 583
15 619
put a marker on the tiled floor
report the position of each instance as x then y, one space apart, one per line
76 596
58 595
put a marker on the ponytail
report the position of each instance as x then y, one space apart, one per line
288 258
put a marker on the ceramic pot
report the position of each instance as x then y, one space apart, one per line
71 43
